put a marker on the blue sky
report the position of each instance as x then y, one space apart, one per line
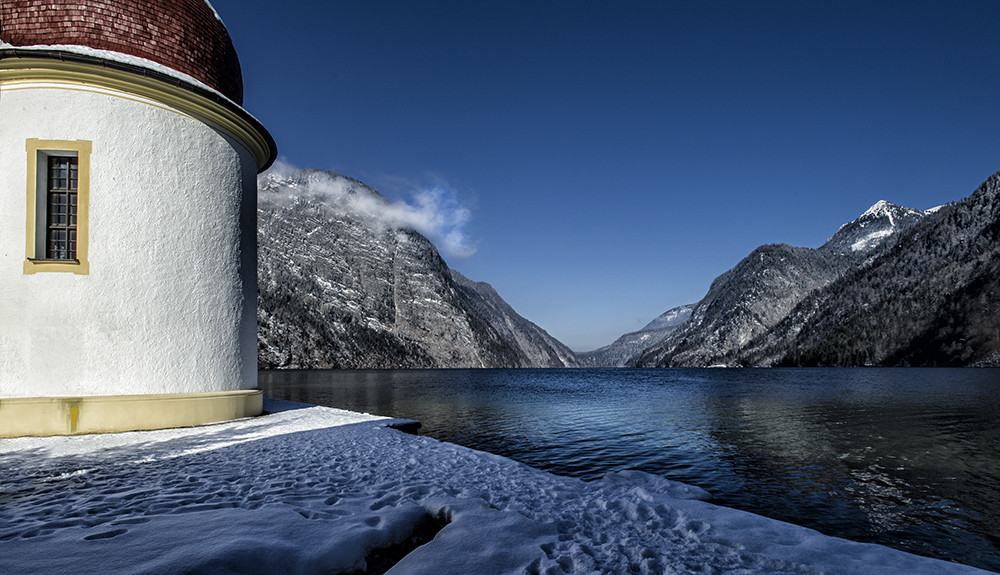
615 157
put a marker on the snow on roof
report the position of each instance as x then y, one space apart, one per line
185 35
132 61
123 59
216 12
311 490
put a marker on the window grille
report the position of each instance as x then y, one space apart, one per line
60 236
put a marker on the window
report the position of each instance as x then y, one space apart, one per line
57 194
63 192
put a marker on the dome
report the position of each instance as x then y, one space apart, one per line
185 35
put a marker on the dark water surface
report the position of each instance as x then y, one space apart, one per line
908 458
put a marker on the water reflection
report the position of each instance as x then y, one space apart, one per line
888 456
907 458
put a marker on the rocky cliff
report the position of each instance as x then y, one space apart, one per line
342 284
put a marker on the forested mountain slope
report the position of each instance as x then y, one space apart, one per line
746 302
929 297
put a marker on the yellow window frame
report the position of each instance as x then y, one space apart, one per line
38 152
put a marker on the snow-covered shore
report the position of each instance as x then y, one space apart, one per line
313 490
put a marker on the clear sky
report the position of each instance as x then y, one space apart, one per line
615 157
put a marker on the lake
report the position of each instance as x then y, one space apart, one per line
908 458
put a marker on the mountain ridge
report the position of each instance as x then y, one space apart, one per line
931 298
892 287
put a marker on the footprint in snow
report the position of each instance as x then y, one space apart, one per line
105 535
390 500
132 521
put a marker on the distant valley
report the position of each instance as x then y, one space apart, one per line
626 350
338 288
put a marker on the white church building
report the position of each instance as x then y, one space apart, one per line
127 218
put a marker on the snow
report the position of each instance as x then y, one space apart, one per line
889 210
215 12
309 489
881 208
129 59
879 211
869 241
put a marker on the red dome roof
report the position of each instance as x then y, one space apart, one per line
185 35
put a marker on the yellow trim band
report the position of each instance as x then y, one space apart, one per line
231 119
42 416
31 254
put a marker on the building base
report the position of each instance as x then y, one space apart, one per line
40 416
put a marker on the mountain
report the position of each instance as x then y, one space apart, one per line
669 319
746 302
930 297
624 351
540 348
872 227
344 283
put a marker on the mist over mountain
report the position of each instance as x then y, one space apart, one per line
345 281
896 286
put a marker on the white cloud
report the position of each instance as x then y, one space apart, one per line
434 210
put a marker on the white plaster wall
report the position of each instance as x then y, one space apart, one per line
169 305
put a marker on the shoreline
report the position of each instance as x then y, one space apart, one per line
308 489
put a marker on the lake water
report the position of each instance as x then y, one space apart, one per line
908 458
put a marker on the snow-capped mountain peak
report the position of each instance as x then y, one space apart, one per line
884 209
872 227
881 208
